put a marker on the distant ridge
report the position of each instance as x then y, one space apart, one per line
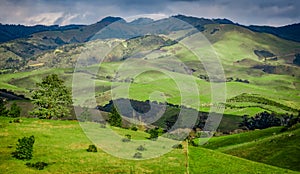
10 32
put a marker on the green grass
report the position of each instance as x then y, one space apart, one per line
207 161
63 145
235 139
268 146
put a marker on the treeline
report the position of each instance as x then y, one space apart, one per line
228 79
265 120
261 100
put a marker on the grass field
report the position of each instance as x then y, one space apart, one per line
63 145
268 146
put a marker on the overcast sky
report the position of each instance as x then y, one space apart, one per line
48 12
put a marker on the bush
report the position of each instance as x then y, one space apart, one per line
134 128
127 138
141 148
92 148
3 110
137 155
153 133
17 120
24 148
102 125
177 146
15 110
37 165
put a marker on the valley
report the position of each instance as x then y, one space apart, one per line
235 73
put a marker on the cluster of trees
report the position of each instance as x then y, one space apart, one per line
265 120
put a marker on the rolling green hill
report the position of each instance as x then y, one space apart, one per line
62 145
270 146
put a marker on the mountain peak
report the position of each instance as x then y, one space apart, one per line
111 19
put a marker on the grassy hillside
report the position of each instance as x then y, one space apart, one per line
268 146
207 161
63 145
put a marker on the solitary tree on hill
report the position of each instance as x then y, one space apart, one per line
52 98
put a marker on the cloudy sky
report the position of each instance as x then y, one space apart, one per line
48 12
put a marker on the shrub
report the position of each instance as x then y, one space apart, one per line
3 110
137 155
127 138
153 133
17 120
177 146
24 148
134 128
15 110
92 148
37 165
102 125
141 148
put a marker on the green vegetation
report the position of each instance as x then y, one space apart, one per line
24 148
115 118
207 161
92 148
270 146
15 110
37 165
262 81
52 99
3 110
70 155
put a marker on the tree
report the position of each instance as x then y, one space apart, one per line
15 110
24 148
115 118
3 110
52 98
153 133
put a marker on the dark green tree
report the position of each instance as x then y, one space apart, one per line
24 148
15 110
115 118
52 98
3 110
153 133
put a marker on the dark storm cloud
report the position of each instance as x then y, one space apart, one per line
30 12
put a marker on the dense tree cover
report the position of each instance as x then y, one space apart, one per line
265 119
24 148
52 98
260 121
115 118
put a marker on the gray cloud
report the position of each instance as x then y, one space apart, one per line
31 12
